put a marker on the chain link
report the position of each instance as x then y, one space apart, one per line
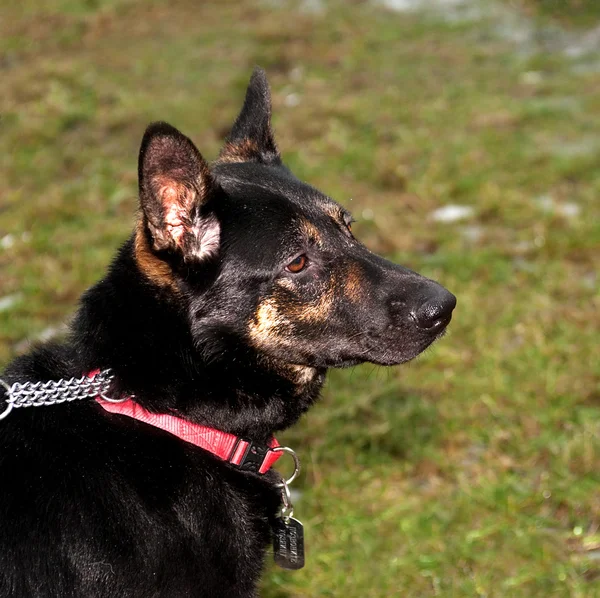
53 392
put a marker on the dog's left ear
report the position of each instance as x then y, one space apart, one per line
251 138
175 186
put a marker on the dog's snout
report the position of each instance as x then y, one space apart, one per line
436 311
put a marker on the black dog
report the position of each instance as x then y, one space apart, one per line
239 287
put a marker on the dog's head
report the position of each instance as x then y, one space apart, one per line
255 256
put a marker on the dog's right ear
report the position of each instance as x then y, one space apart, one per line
175 183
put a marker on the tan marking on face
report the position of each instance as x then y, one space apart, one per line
312 232
303 374
267 324
353 283
155 269
294 309
299 375
286 283
272 329
316 311
240 151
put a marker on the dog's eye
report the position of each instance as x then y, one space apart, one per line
297 265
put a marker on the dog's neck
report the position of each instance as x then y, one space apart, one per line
146 342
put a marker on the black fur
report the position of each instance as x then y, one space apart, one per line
200 315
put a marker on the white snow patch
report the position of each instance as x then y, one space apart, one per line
313 6
583 44
291 100
472 233
452 213
7 241
9 301
419 5
568 209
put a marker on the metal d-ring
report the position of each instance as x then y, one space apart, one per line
109 400
289 451
9 406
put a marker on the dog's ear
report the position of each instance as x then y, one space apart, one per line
175 183
251 138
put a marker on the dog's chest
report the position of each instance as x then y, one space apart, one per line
131 509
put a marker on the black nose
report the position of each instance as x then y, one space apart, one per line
436 312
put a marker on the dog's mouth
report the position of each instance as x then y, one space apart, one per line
393 346
393 356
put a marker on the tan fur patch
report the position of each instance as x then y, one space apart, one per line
353 283
312 232
300 375
273 329
267 323
303 374
333 210
240 151
155 269
316 311
286 283
278 310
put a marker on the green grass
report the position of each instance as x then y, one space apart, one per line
578 13
473 471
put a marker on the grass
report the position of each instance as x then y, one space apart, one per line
473 471
576 13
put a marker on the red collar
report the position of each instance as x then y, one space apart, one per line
243 453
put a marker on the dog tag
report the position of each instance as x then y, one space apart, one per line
288 543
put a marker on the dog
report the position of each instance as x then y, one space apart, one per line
239 287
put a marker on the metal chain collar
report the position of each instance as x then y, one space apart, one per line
53 392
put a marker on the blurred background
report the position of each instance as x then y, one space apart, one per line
464 136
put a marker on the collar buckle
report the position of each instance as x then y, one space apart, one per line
249 456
